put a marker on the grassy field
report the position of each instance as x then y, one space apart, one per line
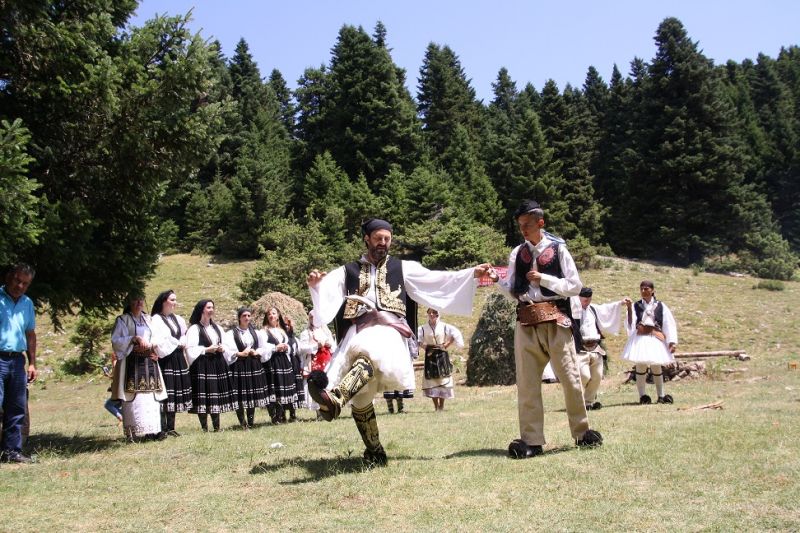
662 468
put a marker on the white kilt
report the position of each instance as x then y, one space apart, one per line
385 347
646 350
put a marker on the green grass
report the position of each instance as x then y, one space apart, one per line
662 468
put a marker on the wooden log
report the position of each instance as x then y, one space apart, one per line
737 354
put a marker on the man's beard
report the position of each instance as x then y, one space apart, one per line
378 253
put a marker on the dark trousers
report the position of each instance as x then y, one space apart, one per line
13 397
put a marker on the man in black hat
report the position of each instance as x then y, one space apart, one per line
541 278
373 300
594 322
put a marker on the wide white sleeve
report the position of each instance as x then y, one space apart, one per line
455 334
306 344
193 347
121 339
630 320
328 295
570 284
265 348
229 345
166 342
669 327
609 317
506 284
447 292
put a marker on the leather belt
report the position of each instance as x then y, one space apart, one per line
10 354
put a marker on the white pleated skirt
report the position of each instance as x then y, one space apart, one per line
385 347
646 350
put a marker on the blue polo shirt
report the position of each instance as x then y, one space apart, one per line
15 320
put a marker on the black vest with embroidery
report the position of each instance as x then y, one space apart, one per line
389 287
548 262
658 316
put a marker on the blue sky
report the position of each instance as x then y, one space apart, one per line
534 40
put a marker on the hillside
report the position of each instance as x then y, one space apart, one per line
662 468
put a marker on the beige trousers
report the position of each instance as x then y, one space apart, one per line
533 347
591 364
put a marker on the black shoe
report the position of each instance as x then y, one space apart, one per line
376 458
161 435
518 449
16 457
597 406
590 439
173 433
645 400
667 398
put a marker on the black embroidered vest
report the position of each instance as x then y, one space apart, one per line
202 336
389 287
658 316
547 263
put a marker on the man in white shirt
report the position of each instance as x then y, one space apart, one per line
541 278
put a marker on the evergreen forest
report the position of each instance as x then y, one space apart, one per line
121 143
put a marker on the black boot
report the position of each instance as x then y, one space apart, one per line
331 402
171 425
240 416
203 417
292 414
399 405
251 416
215 422
390 405
367 425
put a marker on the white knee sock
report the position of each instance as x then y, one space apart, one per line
658 379
641 377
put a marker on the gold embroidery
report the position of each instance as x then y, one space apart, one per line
388 299
363 287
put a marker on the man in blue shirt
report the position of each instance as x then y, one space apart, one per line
17 335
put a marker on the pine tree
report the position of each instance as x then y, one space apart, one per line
445 99
113 118
284 97
367 119
688 197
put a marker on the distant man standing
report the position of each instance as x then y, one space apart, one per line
595 321
542 277
17 335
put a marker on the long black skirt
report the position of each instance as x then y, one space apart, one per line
282 380
177 382
249 382
212 389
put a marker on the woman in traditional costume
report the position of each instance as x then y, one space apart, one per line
174 368
436 336
212 392
284 371
247 373
315 347
138 382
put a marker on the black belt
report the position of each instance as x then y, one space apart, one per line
10 354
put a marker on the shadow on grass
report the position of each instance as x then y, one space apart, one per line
605 406
60 445
496 452
318 469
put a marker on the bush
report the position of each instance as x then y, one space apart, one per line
491 351
91 333
456 243
770 285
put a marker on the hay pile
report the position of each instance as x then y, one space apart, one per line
288 306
